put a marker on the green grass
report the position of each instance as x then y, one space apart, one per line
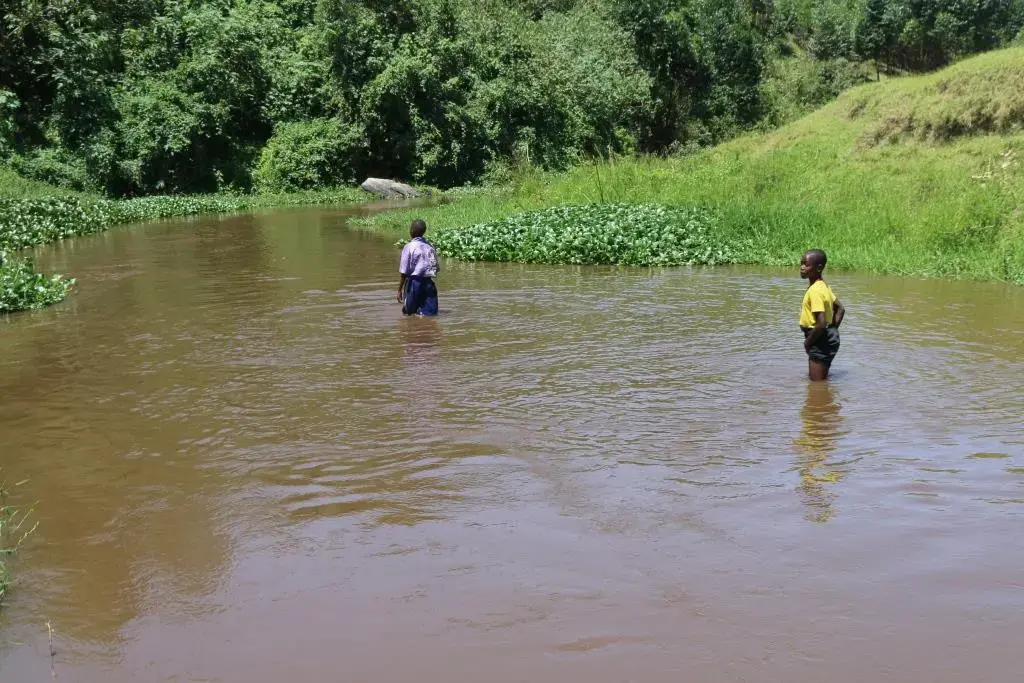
940 194
14 186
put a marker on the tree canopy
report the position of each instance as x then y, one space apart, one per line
140 96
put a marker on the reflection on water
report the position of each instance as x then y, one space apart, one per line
821 427
250 467
421 337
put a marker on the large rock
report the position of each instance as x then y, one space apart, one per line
388 188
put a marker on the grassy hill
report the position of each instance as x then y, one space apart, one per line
914 176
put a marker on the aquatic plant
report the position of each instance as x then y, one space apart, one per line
599 234
22 288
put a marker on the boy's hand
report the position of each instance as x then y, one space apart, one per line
401 288
819 329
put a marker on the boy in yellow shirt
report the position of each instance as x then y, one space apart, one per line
820 317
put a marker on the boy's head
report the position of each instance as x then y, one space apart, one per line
418 228
812 263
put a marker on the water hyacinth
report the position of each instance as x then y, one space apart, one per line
22 288
595 234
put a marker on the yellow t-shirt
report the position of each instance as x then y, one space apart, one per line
819 298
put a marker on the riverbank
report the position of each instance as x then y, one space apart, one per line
33 213
919 176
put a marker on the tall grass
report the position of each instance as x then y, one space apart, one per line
935 204
14 530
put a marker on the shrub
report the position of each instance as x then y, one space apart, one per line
53 166
799 84
9 105
309 154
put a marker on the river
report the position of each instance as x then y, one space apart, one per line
248 467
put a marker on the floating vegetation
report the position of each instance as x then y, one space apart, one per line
22 288
598 234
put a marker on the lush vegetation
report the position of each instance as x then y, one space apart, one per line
599 234
915 176
198 96
22 288
13 532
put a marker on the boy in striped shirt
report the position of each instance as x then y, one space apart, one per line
418 268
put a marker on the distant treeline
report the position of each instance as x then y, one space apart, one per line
133 97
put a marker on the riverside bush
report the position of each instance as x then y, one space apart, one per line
306 155
597 234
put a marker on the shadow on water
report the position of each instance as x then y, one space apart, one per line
821 426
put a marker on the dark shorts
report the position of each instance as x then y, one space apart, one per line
420 296
825 348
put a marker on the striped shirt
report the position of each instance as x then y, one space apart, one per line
418 259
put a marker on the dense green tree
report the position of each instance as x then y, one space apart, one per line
140 96
732 53
465 86
306 155
927 34
833 29
665 44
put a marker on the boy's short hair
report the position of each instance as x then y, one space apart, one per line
418 227
817 257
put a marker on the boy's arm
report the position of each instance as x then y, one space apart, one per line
401 288
404 268
837 314
817 330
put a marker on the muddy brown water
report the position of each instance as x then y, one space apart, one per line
250 468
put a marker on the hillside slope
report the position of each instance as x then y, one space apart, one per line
914 176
